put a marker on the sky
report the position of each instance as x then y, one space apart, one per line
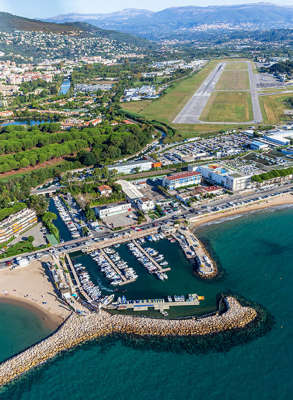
52 8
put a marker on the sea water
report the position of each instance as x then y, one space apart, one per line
255 251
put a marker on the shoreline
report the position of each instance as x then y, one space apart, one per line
279 201
50 320
77 330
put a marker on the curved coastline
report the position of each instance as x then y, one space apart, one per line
277 202
77 330
50 320
220 217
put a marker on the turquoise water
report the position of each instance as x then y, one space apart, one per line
256 253
19 329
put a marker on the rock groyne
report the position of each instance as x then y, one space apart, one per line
77 330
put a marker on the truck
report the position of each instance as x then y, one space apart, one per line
24 262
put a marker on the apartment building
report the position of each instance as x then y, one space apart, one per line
16 224
181 179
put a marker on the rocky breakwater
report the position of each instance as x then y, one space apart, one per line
76 330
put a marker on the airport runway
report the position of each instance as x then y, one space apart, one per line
190 114
257 114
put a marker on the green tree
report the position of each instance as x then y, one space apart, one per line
49 217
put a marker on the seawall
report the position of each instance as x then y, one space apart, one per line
77 330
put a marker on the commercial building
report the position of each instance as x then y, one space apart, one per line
231 179
17 223
130 167
145 204
180 179
112 209
256 145
130 190
281 137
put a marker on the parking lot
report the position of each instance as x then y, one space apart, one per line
36 232
266 80
120 220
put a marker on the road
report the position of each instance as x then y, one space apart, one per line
257 114
191 113
80 243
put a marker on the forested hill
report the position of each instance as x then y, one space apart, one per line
9 22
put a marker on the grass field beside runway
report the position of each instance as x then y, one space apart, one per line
233 80
234 66
169 106
273 107
228 107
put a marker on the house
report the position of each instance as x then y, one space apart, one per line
105 190
145 204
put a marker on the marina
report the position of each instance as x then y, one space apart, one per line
157 304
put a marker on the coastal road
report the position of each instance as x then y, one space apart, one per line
81 242
191 112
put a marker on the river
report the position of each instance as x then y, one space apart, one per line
65 86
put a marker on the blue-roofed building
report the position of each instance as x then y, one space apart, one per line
256 145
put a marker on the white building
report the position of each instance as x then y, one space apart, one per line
17 223
145 204
130 167
130 190
109 210
230 179
180 179
256 145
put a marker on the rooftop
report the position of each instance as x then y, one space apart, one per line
180 175
104 187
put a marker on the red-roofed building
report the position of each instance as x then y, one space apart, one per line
105 190
127 122
181 179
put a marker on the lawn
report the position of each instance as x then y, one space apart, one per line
228 107
233 80
136 106
234 66
166 108
273 107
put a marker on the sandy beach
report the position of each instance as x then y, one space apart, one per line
31 287
278 201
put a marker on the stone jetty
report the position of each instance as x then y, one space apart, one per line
76 330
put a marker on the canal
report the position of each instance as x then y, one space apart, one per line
63 230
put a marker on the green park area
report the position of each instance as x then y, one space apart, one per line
228 107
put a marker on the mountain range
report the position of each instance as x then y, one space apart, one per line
151 25
11 22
